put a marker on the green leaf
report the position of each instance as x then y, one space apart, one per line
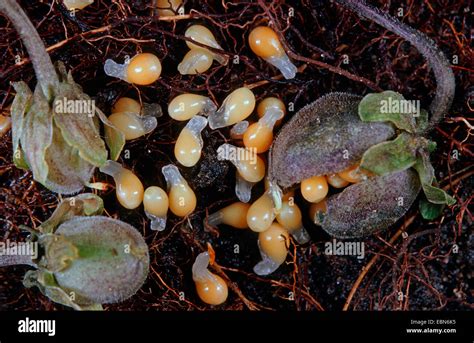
78 129
391 156
387 106
437 195
114 138
19 108
37 135
430 211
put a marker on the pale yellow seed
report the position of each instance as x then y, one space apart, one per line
212 291
265 43
196 61
187 149
5 124
259 137
185 106
182 200
336 181
126 105
128 123
129 189
271 103
260 214
155 201
200 34
168 8
143 69
274 242
290 216
354 174
77 4
235 215
250 171
314 189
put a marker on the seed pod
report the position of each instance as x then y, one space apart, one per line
264 42
196 61
370 206
324 137
112 261
211 288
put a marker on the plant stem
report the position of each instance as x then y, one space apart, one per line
44 69
13 260
436 59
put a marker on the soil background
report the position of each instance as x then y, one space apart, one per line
429 268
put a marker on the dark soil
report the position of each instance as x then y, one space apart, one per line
423 266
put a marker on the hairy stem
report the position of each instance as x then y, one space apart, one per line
44 69
427 47
13 260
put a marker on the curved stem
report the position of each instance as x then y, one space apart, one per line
44 69
427 47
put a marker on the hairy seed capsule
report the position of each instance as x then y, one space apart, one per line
129 189
196 61
265 43
185 106
273 243
237 106
156 204
182 199
234 215
260 214
211 288
202 34
188 147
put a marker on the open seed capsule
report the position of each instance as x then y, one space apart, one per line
260 214
211 288
290 218
5 124
77 4
314 189
196 61
167 8
234 215
155 201
271 104
142 69
264 43
354 174
129 188
250 166
237 106
185 106
187 149
317 212
260 135
273 244
133 125
336 181
202 34
182 199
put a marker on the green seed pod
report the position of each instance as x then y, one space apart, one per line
112 261
370 206
324 137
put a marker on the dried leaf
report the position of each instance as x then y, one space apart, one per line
19 108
